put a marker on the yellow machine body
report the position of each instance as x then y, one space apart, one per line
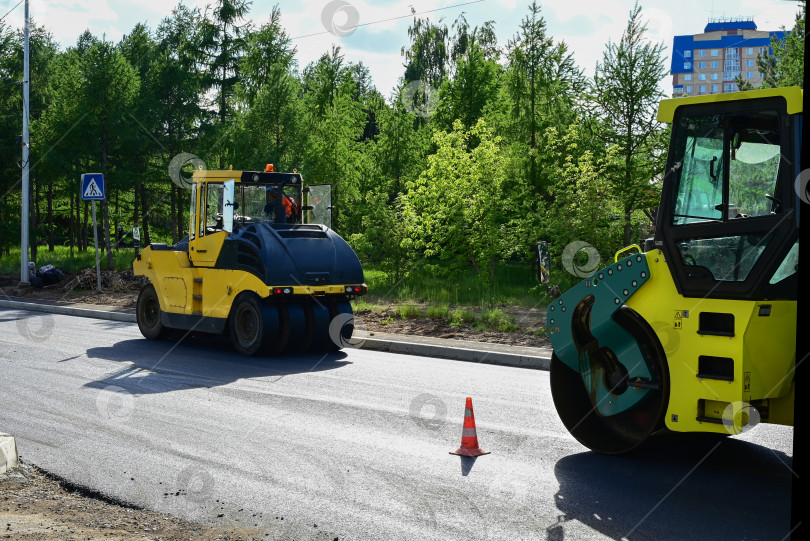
762 355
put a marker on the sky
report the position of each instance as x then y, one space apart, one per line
374 32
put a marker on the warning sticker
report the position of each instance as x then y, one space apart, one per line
678 319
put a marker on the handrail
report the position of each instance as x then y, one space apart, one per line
626 249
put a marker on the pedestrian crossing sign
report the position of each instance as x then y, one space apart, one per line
92 186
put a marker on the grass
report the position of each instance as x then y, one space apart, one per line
437 285
409 311
460 298
499 320
432 290
61 259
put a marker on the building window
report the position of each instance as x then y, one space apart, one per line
688 89
687 54
702 65
702 52
687 65
759 74
715 52
702 89
750 75
715 88
732 52
750 50
763 50
702 76
749 63
715 64
730 87
715 77
687 77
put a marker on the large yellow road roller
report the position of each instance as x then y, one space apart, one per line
696 331
255 266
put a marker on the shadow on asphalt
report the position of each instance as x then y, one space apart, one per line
676 487
155 366
467 463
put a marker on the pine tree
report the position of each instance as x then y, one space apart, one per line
626 93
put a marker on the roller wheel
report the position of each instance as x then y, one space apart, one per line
341 325
615 434
300 328
249 327
318 318
148 315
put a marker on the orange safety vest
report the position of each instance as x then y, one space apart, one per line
289 205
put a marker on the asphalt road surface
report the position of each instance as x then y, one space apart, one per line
355 445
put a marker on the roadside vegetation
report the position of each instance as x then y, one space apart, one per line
443 186
62 259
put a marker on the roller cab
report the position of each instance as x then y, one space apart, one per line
697 332
261 263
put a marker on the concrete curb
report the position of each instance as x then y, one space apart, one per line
66 309
479 352
8 453
453 352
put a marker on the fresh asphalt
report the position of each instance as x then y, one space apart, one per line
355 445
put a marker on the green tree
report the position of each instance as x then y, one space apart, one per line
221 45
474 84
268 53
542 84
625 93
9 149
457 209
426 63
334 124
585 205
110 86
394 159
176 89
785 67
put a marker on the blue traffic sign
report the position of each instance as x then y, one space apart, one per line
92 186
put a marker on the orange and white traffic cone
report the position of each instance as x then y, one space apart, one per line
469 438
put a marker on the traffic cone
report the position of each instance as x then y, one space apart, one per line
469 439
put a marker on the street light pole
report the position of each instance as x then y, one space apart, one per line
26 138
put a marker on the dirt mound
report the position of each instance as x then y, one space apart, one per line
124 280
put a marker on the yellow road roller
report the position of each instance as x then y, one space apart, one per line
261 264
696 330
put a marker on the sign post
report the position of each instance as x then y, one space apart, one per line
92 189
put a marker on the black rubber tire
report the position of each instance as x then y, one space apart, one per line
319 315
341 325
148 315
625 431
300 329
246 325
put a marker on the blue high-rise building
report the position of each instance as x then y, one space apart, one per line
709 63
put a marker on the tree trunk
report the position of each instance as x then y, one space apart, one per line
34 217
50 215
136 217
628 229
105 205
173 200
180 213
71 226
86 228
144 218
